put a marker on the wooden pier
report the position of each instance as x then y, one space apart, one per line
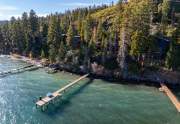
171 96
19 70
47 100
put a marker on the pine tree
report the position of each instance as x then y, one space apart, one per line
70 35
172 59
1 42
61 52
43 54
24 20
138 44
17 36
79 22
33 22
52 53
100 31
44 33
82 31
165 12
54 37
35 34
87 29
26 32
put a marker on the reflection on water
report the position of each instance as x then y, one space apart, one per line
90 102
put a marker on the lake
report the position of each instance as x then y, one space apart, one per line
90 102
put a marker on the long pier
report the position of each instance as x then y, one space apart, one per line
171 96
47 100
19 70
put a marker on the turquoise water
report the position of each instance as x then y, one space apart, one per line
90 102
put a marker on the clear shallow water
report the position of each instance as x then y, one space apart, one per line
90 102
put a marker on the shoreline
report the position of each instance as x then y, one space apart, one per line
111 78
27 60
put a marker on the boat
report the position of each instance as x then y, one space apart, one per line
51 71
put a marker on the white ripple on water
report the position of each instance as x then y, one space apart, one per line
2 101
3 117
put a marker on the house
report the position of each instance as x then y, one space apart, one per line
158 54
75 42
163 44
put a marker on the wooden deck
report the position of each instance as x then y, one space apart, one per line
46 100
171 96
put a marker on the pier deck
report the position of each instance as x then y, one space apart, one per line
46 100
171 96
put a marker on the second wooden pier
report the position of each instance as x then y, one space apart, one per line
171 96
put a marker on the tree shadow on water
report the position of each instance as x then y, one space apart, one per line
65 101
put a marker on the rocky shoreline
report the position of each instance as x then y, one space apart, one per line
150 78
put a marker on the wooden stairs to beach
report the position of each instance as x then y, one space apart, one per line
171 96
47 100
